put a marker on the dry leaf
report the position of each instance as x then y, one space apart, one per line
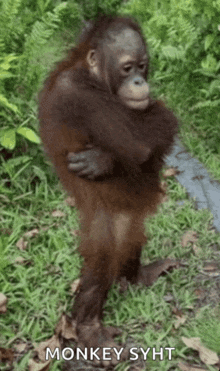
153 270
210 267
20 347
66 328
179 321
19 260
185 367
21 244
58 214
206 355
75 285
34 366
177 312
200 293
211 274
189 236
3 302
6 355
163 185
44 365
164 197
75 232
168 297
32 233
197 250
169 172
51 343
70 201
44 229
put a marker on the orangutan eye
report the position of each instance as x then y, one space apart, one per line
127 68
142 66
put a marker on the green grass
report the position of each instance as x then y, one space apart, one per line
38 289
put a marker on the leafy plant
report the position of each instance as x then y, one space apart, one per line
8 136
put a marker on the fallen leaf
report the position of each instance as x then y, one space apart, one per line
44 229
32 233
152 271
177 312
210 266
58 214
168 297
19 260
200 293
66 328
190 236
21 244
51 343
3 302
185 367
170 172
71 201
6 355
197 250
211 270
179 321
206 355
34 366
75 232
163 186
20 347
75 285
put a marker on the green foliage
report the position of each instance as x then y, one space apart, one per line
43 5
178 24
8 15
40 33
6 104
5 65
207 103
29 134
172 52
186 32
8 136
184 46
92 9
24 29
210 9
9 167
183 39
10 9
3 261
